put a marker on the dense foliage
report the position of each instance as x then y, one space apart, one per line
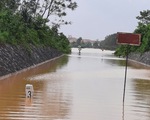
110 42
143 28
25 22
84 43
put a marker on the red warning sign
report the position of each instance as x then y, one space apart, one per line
129 38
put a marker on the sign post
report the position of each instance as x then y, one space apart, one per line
128 39
79 48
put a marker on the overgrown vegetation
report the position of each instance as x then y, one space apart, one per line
25 22
110 42
84 43
143 28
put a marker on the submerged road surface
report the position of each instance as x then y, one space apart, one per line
88 86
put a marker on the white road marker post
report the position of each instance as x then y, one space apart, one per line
79 48
29 91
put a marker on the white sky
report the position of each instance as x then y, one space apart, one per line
95 19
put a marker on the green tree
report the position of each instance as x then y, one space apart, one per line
96 44
88 45
9 4
48 9
144 17
24 22
143 28
79 40
110 42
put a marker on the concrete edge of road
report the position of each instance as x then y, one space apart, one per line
137 63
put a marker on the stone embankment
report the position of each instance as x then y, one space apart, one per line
143 58
16 58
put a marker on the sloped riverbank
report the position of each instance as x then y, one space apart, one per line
16 58
143 58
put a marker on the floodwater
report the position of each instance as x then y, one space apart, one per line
88 86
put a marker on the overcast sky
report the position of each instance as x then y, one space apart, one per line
95 19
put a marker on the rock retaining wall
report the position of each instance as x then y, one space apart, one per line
15 58
142 58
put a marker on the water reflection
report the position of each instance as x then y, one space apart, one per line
49 100
78 87
141 95
142 90
120 62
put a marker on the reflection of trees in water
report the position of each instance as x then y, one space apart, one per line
142 96
131 64
115 62
142 88
53 104
50 66
62 62
137 65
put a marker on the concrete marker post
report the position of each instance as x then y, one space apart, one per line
29 91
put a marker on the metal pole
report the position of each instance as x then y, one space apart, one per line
125 74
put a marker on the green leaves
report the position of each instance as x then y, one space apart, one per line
144 17
143 28
3 37
24 22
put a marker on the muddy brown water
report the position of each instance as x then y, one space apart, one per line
88 86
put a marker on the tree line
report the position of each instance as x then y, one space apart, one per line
84 44
143 28
108 43
36 22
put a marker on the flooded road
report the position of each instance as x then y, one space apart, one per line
78 87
